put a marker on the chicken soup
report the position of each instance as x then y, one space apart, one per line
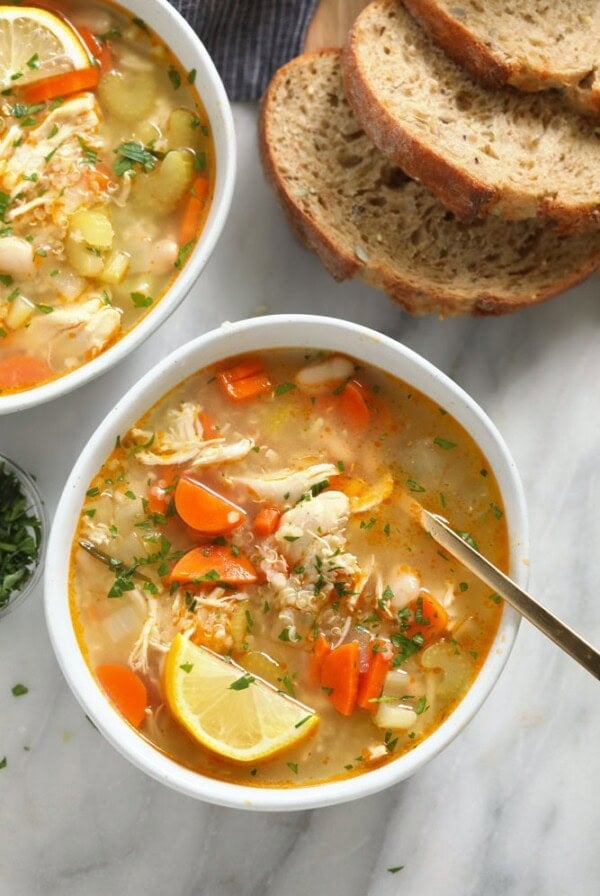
250 594
106 174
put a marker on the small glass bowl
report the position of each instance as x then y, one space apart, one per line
35 507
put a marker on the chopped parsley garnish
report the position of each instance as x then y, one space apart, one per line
369 524
414 486
45 309
183 253
293 766
406 646
496 511
395 869
421 705
174 77
20 536
200 161
33 62
242 683
187 667
302 721
140 300
288 685
18 690
89 156
3 762
469 539
443 443
191 76
130 154
463 586
282 388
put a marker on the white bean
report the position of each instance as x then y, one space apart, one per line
405 582
319 378
164 256
16 257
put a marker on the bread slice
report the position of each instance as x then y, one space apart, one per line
364 217
531 44
518 155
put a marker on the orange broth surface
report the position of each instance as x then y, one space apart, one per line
103 194
344 565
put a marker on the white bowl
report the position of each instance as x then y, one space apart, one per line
162 18
253 335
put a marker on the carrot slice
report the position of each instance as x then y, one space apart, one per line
160 493
320 650
126 690
98 48
212 564
61 85
371 682
205 510
339 677
266 520
209 430
23 370
353 405
428 618
193 211
248 379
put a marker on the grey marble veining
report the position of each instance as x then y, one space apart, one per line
511 807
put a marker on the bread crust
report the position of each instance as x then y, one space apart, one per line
468 49
467 195
418 299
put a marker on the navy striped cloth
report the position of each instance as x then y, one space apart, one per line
248 39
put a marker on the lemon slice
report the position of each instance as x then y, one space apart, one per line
228 710
36 44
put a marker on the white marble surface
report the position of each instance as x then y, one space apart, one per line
511 807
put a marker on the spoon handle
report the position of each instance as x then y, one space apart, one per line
538 615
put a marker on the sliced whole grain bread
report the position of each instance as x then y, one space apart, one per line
517 155
531 44
364 217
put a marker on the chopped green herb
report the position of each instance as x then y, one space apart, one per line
187 667
293 766
19 689
183 253
45 309
443 443
282 388
33 62
191 76
421 705
395 869
140 300
174 77
414 486
495 597
3 762
130 154
496 511
242 683
20 535
89 156
369 524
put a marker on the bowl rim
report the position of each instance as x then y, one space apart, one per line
293 330
170 25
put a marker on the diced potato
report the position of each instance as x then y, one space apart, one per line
128 96
19 313
172 178
453 663
85 262
92 225
182 129
115 267
394 716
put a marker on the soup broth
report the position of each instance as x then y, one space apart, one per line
104 188
353 610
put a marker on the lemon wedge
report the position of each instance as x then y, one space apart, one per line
36 44
229 710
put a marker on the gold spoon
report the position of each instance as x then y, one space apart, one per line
563 636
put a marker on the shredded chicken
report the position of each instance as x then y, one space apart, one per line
182 442
285 485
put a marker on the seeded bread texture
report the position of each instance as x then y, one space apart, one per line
364 217
530 44
517 155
